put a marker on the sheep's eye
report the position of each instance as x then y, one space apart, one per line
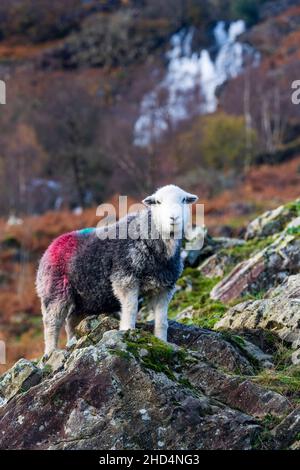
158 202
184 200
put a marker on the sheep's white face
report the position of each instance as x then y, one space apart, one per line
170 210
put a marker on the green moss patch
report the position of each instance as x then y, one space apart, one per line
156 354
284 378
293 230
285 381
294 208
195 293
240 253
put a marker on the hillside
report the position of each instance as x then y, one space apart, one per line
205 82
229 374
23 245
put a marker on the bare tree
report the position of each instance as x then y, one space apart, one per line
68 125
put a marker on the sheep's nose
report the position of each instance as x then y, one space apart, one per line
174 219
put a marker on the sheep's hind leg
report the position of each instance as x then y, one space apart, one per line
72 321
53 317
128 297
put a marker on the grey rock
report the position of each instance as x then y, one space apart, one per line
287 432
20 378
265 269
215 265
204 246
279 313
129 390
186 314
271 222
57 359
254 353
296 357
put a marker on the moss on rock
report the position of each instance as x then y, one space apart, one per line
195 293
156 354
286 381
240 253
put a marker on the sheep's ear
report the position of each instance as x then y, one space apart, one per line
191 198
149 201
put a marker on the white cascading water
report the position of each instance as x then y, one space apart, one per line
191 80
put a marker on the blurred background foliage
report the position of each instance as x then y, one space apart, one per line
77 73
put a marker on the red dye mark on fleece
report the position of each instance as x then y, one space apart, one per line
61 251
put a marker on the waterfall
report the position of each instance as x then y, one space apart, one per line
191 80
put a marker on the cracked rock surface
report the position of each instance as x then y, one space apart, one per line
131 391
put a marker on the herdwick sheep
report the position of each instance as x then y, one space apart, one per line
85 272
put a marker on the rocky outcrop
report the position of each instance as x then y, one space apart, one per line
23 375
203 247
279 313
234 387
265 268
272 221
132 391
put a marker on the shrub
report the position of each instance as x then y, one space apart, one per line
225 141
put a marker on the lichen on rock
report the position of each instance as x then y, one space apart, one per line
279 313
274 221
129 390
266 268
20 378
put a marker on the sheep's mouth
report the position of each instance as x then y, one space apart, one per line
177 227
175 231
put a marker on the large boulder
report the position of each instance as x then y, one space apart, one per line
272 222
20 378
279 313
266 268
129 390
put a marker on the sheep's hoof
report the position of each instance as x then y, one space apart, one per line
43 360
47 355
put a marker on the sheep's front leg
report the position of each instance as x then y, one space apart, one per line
160 305
128 297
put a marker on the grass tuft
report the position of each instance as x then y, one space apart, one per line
195 292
